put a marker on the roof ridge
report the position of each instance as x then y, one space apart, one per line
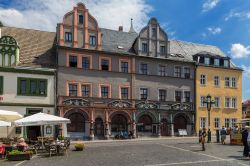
27 29
119 31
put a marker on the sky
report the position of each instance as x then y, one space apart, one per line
223 23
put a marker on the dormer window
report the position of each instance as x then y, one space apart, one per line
92 40
144 47
80 19
8 50
225 63
216 62
153 32
207 60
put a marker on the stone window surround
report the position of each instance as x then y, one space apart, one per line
79 87
120 89
79 59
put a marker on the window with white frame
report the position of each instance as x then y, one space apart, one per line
203 122
177 71
203 99
234 102
227 122
216 62
233 82
216 81
227 81
226 64
162 94
144 68
143 93
186 72
203 79
216 122
234 121
187 96
207 61
227 102
216 102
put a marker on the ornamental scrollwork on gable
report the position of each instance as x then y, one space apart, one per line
119 104
146 105
166 107
76 102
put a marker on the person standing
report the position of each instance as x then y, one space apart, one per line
223 134
245 134
203 138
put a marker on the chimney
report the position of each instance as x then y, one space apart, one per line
120 28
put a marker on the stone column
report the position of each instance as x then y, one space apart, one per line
134 125
106 126
92 125
159 125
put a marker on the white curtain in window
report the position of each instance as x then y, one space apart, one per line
13 59
6 60
1 59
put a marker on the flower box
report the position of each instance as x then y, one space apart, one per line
19 157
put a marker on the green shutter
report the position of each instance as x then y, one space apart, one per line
1 85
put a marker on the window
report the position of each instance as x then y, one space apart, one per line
203 99
153 32
207 60
233 80
80 19
92 40
216 122
162 94
186 72
178 96
177 71
68 37
226 63
227 102
31 87
227 82
1 85
104 92
144 47
124 93
234 121
8 48
162 49
203 122
85 90
216 102
216 62
72 61
234 102
187 96
124 66
85 63
72 89
216 81
162 70
104 64
203 80
144 93
144 68
227 123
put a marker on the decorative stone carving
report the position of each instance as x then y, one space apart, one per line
146 105
119 104
181 106
76 102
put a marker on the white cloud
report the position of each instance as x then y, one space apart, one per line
215 30
241 15
45 14
246 70
209 4
239 51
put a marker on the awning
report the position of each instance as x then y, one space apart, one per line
9 115
5 124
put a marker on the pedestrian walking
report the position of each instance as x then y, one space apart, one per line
200 136
203 138
245 134
223 134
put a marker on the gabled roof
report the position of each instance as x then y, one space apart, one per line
36 48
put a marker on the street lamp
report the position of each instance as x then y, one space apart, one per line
209 103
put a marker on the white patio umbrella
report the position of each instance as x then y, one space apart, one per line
9 115
40 119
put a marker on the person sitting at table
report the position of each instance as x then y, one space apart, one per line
22 144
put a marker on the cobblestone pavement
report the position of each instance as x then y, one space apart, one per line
169 152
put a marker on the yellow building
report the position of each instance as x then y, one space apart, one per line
219 77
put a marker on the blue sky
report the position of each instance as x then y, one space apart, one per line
223 23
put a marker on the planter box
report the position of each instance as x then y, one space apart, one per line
19 157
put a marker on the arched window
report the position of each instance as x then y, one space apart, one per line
8 51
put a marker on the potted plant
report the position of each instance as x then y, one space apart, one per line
16 155
79 147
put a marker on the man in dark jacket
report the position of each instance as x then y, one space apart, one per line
244 140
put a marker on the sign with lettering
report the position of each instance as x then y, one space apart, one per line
182 132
